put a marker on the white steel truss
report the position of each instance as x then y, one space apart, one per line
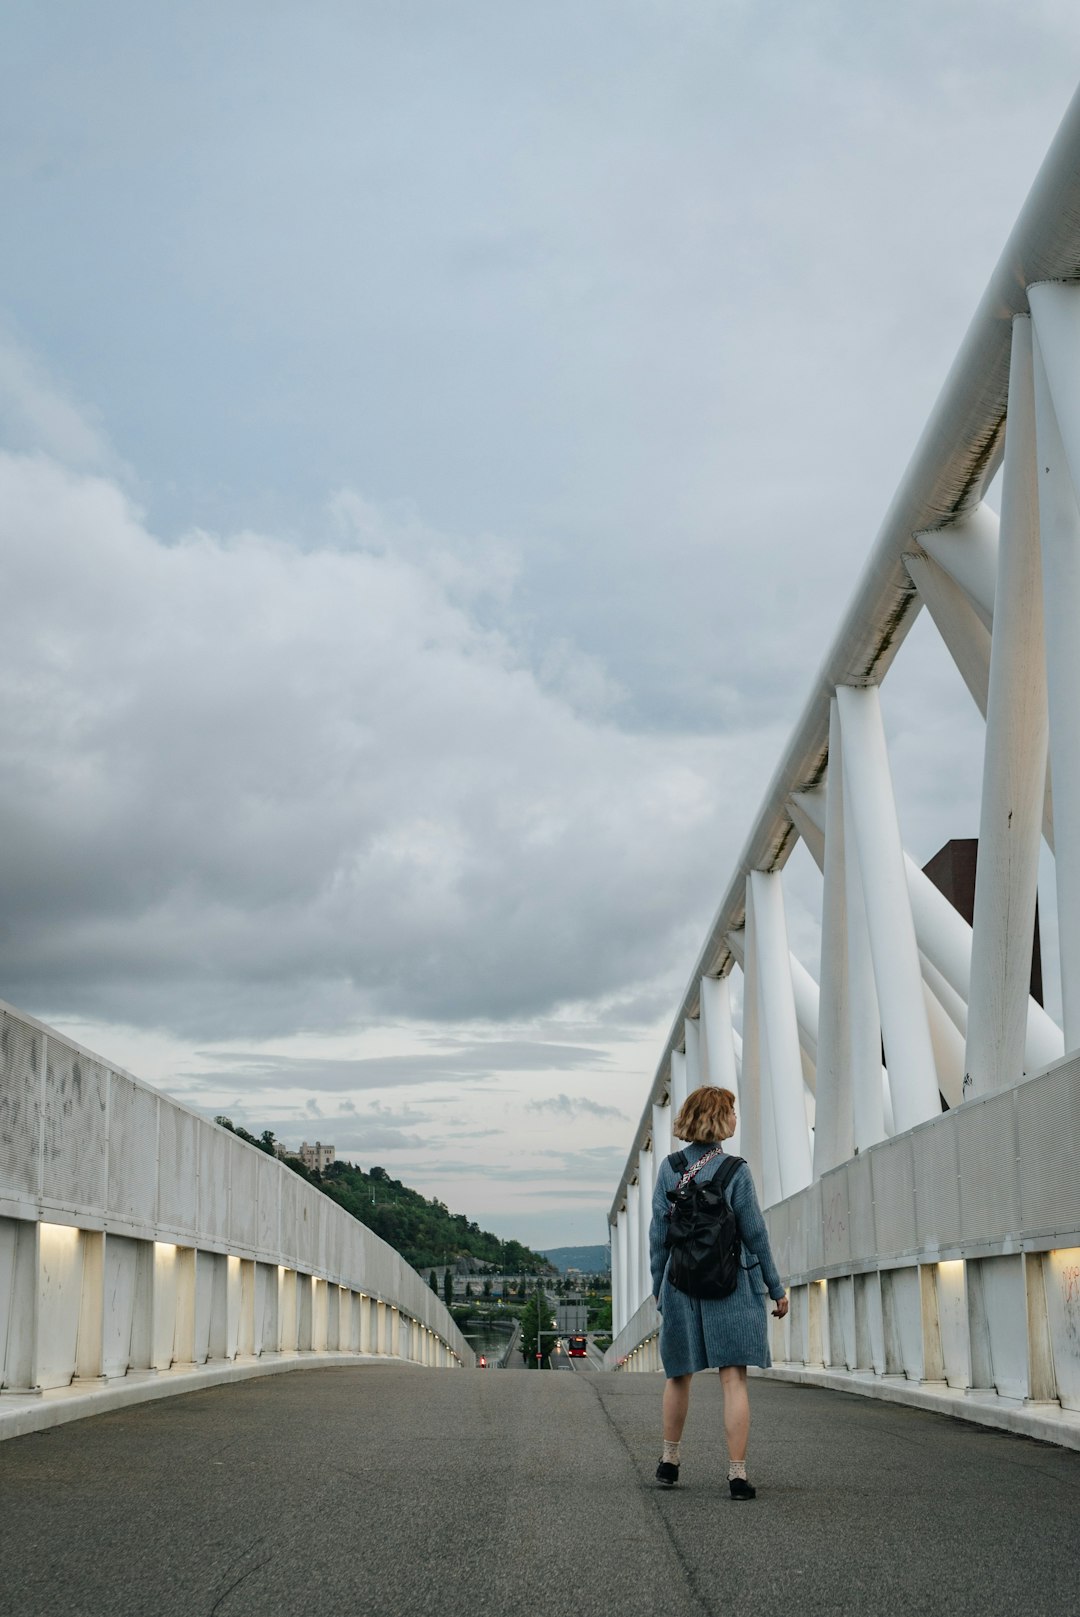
922 1281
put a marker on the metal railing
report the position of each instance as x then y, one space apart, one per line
900 971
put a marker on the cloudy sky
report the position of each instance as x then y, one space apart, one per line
438 440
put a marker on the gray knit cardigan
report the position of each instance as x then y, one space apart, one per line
703 1334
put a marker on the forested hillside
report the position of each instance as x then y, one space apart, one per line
424 1231
589 1259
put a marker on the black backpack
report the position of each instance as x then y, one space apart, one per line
704 1249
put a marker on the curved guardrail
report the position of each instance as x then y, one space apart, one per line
136 1237
515 1337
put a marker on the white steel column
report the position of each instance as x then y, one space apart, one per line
616 1294
947 1040
909 1054
943 936
1014 772
679 1085
720 1045
807 811
807 1009
834 1135
633 1252
966 628
770 1190
945 941
750 1076
736 1039
645 1186
946 1010
966 549
704 1059
781 1031
868 1102
616 1298
1055 310
661 1132
966 636
694 1076
622 1230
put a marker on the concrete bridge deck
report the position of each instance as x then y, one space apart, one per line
385 1489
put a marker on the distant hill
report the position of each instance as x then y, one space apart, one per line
589 1259
425 1232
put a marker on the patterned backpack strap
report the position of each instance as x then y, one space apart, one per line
710 1156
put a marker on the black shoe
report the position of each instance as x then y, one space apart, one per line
667 1475
741 1489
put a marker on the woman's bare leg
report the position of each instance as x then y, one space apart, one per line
736 1410
676 1403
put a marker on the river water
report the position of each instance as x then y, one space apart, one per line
484 1340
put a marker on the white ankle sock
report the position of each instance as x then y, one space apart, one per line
737 1468
671 1452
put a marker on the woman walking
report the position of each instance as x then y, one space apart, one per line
725 1333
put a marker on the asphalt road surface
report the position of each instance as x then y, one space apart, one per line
387 1490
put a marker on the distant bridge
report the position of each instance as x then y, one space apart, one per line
933 1255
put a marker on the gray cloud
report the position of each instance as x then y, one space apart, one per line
264 790
592 307
363 1143
513 465
573 1106
591 1170
37 414
465 1061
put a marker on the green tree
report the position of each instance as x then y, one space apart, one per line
433 1283
265 1142
423 1230
448 1286
530 1330
600 1315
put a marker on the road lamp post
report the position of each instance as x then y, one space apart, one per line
541 1306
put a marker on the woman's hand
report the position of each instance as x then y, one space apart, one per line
781 1308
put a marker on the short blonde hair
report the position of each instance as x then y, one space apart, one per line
704 1115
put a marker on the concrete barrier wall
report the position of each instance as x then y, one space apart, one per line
637 1345
950 1254
941 1267
135 1236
